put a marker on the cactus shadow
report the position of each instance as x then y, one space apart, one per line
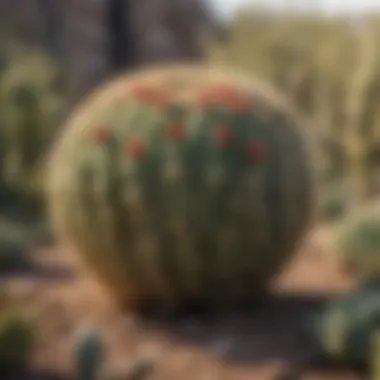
34 376
274 330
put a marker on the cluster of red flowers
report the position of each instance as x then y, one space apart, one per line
217 96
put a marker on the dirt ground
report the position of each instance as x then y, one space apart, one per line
231 346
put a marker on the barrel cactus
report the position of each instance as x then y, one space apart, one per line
182 184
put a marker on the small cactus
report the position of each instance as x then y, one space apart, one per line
335 201
140 369
14 253
345 332
375 352
88 355
17 335
30 103
182 184
88 361
358 243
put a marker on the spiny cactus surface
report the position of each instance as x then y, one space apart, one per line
182 183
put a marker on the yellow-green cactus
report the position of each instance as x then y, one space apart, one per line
182 183
30 102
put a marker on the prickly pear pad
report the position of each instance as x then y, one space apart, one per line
182 183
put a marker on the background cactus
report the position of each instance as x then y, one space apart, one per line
16 342
88 359
331 74
182 183
346 331
88 355
30 103
14 252
358 242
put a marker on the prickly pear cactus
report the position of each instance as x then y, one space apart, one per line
347 331
358 242
182 183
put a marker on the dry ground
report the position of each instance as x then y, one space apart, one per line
232 346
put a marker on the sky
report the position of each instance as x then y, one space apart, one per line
225 8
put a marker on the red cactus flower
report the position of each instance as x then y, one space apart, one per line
100 134
225 96
134 148
176 132
226 93
207 100
222 135
150 95
239 105
254 150
141 92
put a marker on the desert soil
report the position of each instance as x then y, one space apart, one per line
256 346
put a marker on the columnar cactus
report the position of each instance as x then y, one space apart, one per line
30 103
182 183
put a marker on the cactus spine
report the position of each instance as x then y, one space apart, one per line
181 184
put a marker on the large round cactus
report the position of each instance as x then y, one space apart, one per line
182 183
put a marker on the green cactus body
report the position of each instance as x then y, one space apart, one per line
88 355
346 330
182 183
359 243
16 340
30 103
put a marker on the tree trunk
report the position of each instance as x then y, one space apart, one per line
53 27
119 17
